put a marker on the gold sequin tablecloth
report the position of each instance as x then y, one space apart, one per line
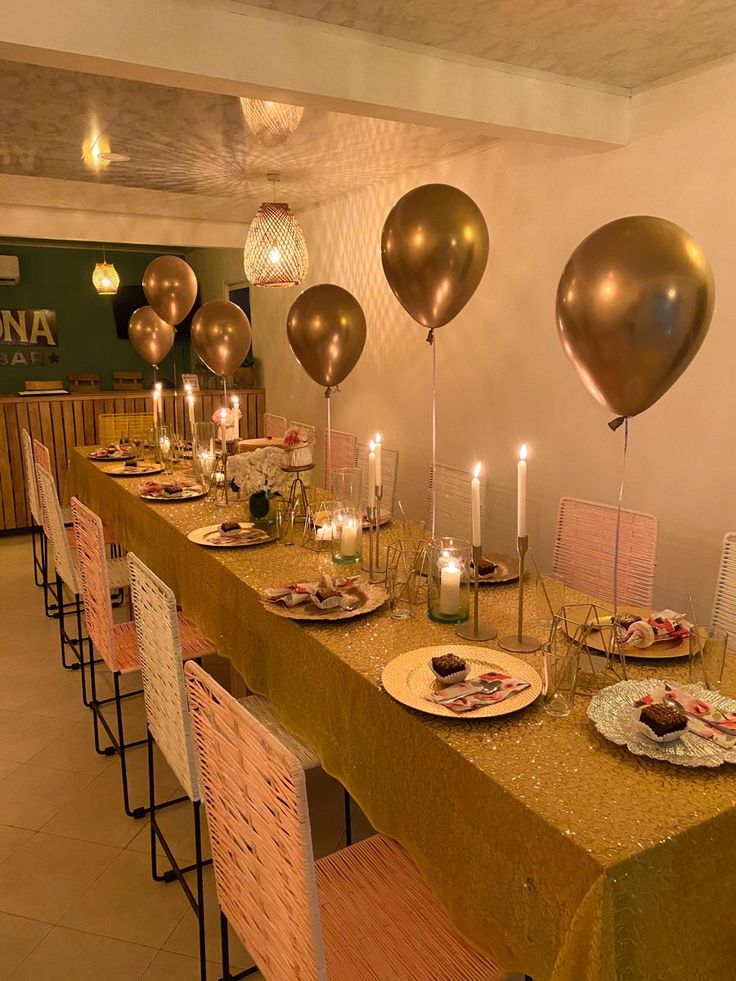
558 853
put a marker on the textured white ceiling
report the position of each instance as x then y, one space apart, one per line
615 42
195 145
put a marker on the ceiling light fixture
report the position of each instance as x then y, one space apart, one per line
271 123
105 277
275 252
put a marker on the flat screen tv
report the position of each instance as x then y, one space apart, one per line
129 298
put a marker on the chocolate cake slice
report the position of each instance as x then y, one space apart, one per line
663 719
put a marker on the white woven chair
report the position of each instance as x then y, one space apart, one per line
341 451
361 914
453 507
724 600
585 549
306 432
390 473
42 458
169 725
67 572
38 541
273 425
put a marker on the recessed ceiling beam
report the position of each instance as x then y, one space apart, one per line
230 48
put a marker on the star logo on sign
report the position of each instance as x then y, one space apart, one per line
53 358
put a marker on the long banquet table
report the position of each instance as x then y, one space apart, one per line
556 852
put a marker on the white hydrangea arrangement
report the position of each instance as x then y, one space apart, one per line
259 470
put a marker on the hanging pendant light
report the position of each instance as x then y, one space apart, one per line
105 277
275 252
270 123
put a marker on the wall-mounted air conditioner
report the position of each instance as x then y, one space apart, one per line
9 270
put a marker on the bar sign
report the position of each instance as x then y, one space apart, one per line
36 328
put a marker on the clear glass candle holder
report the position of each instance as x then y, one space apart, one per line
345 486
448 578
203 441
347 536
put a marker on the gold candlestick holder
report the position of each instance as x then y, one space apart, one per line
475 630
520 642
373 568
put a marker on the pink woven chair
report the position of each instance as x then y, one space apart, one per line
273 425
116 643
67 572
169 725
362 914
42 458
585 547
341 453
38 542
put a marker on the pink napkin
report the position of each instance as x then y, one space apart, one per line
293 593
470 694
702 719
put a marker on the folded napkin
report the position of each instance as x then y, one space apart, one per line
476 692
702 719
325 594
659 627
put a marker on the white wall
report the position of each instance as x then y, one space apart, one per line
503 377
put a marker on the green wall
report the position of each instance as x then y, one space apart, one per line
61 279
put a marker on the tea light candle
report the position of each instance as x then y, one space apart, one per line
475 505
521 494
349 538
450 589
371 474
165 444
379 470
324 533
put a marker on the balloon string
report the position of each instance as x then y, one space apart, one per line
328 468
618 535
434 434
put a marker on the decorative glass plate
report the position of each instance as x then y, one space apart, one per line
611 712
188 494
212 537
369 597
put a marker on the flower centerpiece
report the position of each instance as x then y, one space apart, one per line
257 477
230 418
298 449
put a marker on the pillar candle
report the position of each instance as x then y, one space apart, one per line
348 537
379 469
371 474
521 494
475 505
450 589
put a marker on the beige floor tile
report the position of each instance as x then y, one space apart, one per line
58 698
184 939
96 812
166 966
74 750
22 735
32 794
46 876
127 904
6 767
12 838
70 955
18 937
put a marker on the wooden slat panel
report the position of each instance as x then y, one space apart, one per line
62 422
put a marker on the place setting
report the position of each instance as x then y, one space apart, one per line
230 534
325 598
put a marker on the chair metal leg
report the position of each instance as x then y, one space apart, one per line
200 888
137 812
348 818
225 947
37 566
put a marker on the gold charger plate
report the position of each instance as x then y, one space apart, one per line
375 597
507 570
187 495
200 537
408 678
144 470
664 650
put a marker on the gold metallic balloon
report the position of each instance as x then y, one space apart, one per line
151 336
221 335
434 250
633 306
326 330
170 287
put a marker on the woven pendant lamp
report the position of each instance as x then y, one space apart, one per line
105 278
275 253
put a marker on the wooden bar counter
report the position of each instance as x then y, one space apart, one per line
65 421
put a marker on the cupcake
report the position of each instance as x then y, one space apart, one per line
449 669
